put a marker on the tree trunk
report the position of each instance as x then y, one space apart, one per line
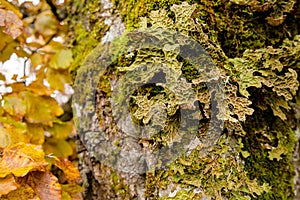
232 129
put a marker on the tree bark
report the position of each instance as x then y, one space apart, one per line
254 45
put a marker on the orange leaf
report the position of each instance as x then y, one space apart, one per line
71 172
46 185
20 158
7 185
24 192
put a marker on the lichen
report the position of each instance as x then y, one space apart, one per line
252 159
270 146
236 25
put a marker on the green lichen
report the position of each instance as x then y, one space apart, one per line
269 67
236 25
219 174
252 160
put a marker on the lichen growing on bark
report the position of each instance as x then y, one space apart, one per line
252 159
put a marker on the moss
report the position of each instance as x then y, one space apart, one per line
252 159
86 28
235 25
264 136
132 10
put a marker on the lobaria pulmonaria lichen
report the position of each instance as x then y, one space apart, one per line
256 48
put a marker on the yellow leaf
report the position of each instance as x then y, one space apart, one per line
71 192
52 47
36 59
14 105
70 171
60 130
12 132
58 147
45 23
36 87
7 46
22 193
36 132
57 79
61 60
40 109
20 158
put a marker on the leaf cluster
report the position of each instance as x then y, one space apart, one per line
35 142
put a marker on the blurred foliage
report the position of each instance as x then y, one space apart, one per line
35 143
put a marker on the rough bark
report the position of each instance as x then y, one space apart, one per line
257 156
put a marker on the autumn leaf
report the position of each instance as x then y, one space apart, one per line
21 158
36 132
57 78
61 60
12 132
35 108
58 147
8 46
60 130
7 185
24 192
70 171
46 23
40 109
11 22
14 105
36 59
46 185
71 192
35 87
